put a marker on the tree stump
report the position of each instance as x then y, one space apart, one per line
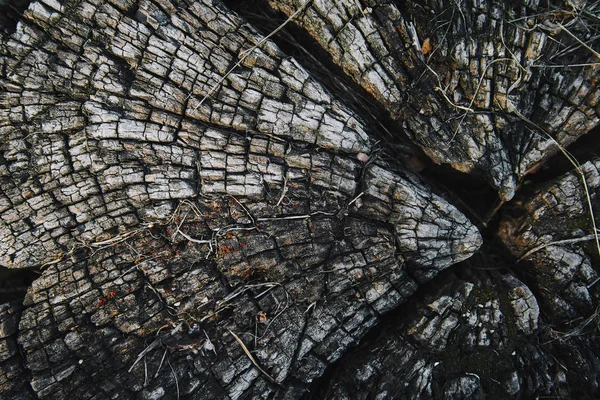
207 216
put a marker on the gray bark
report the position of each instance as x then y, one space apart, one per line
209 221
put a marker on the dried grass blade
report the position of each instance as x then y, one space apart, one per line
252 358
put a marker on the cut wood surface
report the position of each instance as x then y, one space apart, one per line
205 217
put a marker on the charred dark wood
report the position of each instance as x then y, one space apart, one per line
552 232
474 335
14 376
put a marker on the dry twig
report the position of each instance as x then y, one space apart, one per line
251 357
247 53
577 166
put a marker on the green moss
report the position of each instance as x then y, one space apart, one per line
483 294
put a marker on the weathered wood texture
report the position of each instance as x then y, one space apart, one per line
167 221
553 232
486 334
14 377
476 84
210 222
489 335
476 336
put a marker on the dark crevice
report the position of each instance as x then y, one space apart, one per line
25 390
132 10
296 42
124 72
583 149
11 12
15 282
472 196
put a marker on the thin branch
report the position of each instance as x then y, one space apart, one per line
148 349
241 343
564 241
116 239
245 209
162 360
355 199
577 166
179 225
564 65
191 239
247 53
174 376
305 216
145 371
284 191
578 40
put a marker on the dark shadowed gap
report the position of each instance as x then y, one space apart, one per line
478 201
471 195
15 282
10 13
585 148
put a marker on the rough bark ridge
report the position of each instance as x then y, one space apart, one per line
210 222
14 379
